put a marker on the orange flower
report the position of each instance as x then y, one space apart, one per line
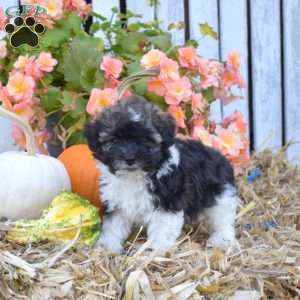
188 57
168 69
156 86
152 59
234 60
178 90
20 86
100 99
111 66
178 114
45 62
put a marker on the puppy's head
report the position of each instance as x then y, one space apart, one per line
131 135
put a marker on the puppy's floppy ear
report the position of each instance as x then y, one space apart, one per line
166 127
91 132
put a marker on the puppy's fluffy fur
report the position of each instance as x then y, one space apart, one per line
151 178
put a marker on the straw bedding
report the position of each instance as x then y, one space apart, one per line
266 266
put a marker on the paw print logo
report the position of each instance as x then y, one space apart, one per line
24 31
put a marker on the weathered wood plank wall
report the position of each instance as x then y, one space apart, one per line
266 33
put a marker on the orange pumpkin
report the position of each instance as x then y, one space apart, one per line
81 166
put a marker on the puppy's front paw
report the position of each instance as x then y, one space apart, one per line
109 244
220 240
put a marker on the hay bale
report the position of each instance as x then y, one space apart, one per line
267 265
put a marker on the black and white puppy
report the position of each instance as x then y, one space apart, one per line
151 178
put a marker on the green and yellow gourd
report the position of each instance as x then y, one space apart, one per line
61 221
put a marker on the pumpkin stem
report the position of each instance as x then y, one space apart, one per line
30 143
135 77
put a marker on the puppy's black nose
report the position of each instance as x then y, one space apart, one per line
130 161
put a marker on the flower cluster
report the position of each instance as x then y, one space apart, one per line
183 83
56 9
19 95
89 73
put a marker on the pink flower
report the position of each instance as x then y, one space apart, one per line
54 8
32 69
45 62
237 119
200 133
168 69
178 114
225 95
229 141
178 90
6 100
232 77
22 61
19 137
3 19
210 72
24 110
188 57
111 82
198 103
20 86
156 86
152 59
41 137
100 99
202 64
79 6
3 49
111 66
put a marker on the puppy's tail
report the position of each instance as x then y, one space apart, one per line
128 81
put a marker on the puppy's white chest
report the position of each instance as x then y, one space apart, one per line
127 193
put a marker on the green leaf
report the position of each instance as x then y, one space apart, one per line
81 52
80 105
192 43
76 138
72 22
51 101
140 87
207 30
134 27
96 26
153 2
54 37
178 25
90 75
64 29
208 94
155 99
133 67
162 41
131 42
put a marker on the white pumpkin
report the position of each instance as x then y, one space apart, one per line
28 181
